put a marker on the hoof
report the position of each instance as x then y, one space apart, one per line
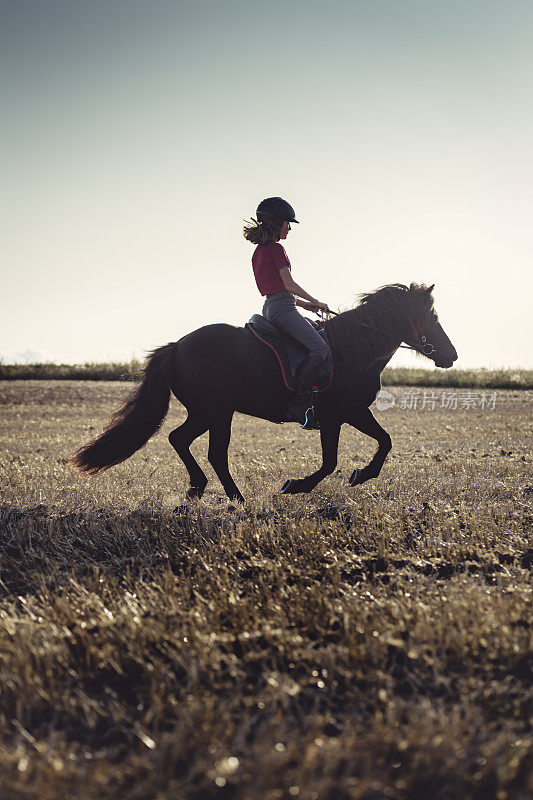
293 486
355 477
288 487
236 498
195 491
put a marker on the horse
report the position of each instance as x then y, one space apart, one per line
220 369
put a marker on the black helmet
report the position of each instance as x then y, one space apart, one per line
275 207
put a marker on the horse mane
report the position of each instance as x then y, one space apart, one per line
395 310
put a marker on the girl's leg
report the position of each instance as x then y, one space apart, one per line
282 313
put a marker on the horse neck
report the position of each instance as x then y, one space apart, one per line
361 339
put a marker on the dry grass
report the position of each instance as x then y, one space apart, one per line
392 376
359 643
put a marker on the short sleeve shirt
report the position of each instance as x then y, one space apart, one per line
267 261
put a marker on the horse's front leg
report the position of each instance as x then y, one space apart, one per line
329 438
365 422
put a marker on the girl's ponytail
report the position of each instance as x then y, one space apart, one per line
264 231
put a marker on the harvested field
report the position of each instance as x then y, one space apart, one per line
349 644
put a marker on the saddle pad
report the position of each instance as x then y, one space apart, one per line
290 354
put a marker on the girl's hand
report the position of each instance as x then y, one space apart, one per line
307 305
310 306
318 306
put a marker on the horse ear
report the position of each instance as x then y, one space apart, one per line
430 288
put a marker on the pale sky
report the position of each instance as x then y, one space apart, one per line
136 136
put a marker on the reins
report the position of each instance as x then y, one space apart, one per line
424 344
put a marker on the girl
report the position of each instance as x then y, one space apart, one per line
272 271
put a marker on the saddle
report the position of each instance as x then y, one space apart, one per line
290 353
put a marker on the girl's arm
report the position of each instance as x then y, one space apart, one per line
294 288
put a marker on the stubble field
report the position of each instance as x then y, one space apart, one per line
356 644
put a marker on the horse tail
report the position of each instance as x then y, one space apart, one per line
135 422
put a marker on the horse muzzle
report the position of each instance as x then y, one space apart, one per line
445 361
439 362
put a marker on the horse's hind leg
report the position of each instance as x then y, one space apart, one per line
181 439
219 436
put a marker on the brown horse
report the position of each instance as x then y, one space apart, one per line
219 369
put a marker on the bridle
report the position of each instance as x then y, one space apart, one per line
423 346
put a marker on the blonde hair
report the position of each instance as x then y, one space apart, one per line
263 232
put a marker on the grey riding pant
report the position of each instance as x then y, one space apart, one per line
280 311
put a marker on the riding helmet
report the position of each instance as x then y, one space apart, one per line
275 207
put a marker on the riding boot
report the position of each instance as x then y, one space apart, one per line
297 409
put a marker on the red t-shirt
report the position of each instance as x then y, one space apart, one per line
267 261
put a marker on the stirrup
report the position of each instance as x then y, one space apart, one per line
311 423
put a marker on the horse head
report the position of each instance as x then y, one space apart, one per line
426 335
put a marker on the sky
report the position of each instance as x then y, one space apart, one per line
138 136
